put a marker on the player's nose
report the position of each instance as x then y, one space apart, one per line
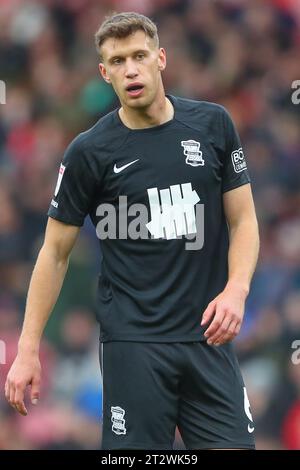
131 69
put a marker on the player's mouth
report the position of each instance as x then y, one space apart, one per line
135 89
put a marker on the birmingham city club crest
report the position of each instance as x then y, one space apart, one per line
118 421
192 152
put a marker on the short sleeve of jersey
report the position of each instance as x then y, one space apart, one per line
75 186
235 172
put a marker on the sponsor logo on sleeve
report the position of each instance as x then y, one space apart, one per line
238 160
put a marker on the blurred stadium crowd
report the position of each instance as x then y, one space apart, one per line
242 54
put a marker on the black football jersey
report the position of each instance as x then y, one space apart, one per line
154 196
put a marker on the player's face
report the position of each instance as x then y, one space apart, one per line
133 66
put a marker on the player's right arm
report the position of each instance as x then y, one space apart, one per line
45 285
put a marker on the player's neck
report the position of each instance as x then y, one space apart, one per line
159 112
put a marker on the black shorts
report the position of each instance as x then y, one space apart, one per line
150 388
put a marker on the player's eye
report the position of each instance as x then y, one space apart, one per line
140 56
117 61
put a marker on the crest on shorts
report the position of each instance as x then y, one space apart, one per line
118 421
192 152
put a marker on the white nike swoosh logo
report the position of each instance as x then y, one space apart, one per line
250 428
121 168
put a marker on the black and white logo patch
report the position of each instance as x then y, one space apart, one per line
118 421
238 160
192 152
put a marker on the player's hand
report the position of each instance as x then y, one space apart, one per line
225 313
25 370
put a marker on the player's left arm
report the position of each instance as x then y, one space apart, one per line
226 311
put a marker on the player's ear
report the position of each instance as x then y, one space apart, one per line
162 59
103 73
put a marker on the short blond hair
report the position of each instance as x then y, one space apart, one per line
121 25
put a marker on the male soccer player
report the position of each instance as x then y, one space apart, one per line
172 299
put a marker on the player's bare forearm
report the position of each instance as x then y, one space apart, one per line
45 285
226 311
46 281
243 251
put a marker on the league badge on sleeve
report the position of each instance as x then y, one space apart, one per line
59 179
